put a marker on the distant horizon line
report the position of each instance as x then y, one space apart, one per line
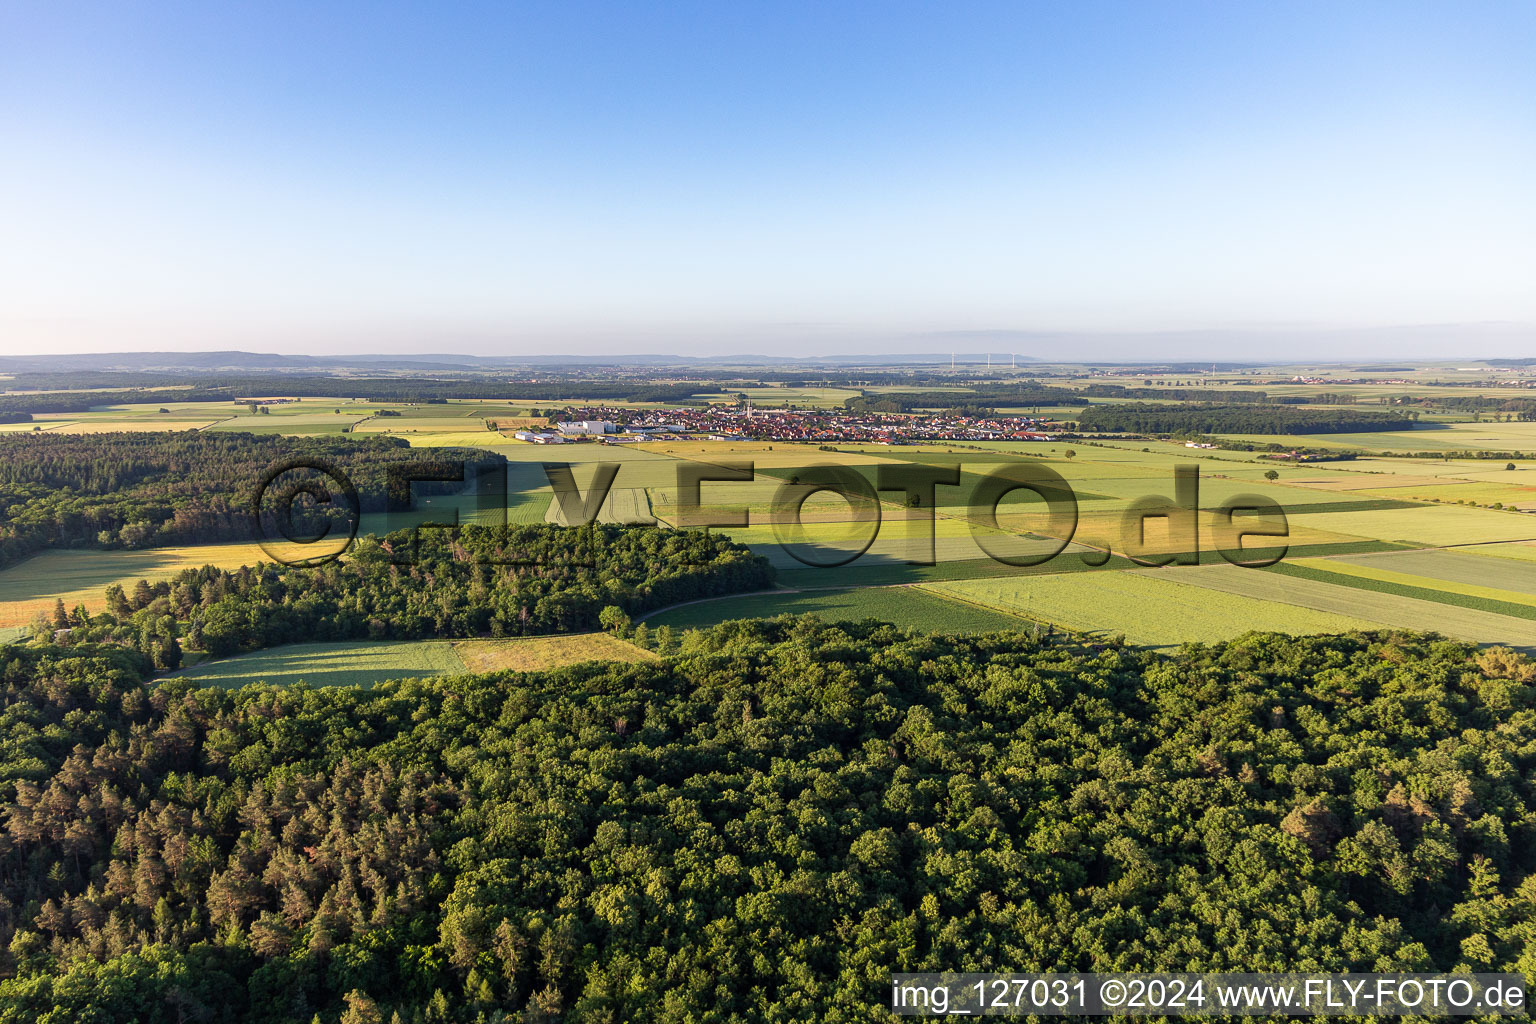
1276 344
214 359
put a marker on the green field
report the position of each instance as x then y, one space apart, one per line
1383 609
1520 552
344 663
365 663
905 606
82 576
1150 607
1458 567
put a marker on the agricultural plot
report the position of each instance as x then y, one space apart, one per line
1426 437
1423 471
415 425
109 426
310 422
1452 567
800 398
1422 440
1475 492
1150 607
537 653
904 606
36 423
342 663
1517 551
1385 610
82 576
1370 577
1433 525
467 434
621 505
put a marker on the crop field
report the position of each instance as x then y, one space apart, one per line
536 653
1426 437
1522 552
1372 577
621 505
366 663
342 663
309 422
1455 566
1433 525
1151 607
904 606
800 398
1383 609
111 426
1472 491
82 576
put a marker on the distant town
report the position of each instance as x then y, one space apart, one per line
730 423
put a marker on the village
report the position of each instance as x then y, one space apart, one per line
744 423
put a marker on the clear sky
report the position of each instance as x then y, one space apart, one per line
778 177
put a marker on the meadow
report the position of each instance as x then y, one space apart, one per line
344 663
366 663
536 653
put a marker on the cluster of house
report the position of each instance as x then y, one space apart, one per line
729 423
565 431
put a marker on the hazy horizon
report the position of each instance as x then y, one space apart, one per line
1277 345
705 178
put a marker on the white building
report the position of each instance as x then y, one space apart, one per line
586 427
538 437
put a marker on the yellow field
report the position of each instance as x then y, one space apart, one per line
1523 552
535 653
31 586
113 426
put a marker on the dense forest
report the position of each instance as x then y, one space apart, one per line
761 827
1235 419
149 489
473 581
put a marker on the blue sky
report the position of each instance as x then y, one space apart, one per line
781 177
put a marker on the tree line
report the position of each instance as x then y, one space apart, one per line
147 489
474 581
1235 419
216 387
985 398
761 826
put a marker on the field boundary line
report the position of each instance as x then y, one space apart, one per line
957 599
723 597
